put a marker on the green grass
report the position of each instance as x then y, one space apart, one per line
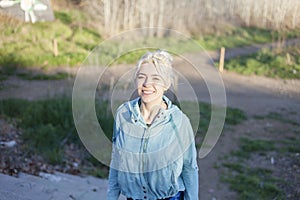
45 123
31 45
248 179
232 38
57 76
252 182
233 116
249 146
48 124
284 64
3 77
127 51
238 37
279 117
291 145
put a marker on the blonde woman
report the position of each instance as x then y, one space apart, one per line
154 154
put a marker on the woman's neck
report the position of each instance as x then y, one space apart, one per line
149 111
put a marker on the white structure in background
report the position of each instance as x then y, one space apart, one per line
28 6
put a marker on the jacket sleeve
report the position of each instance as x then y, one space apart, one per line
113 191
190 169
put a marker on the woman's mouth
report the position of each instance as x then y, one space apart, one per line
147 92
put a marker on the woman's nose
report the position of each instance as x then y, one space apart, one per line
147 81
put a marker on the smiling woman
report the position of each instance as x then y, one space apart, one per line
153 78
154 154
151 87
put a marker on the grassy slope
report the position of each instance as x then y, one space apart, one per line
283 64
31 45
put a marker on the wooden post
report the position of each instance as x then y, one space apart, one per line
111 84
55 48
288 59
222 58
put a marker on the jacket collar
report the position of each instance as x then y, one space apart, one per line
135 113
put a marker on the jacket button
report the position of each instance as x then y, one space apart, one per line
145 197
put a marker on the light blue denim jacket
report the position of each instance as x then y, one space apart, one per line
154 162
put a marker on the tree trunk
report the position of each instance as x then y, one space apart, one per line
160 18
107 14
126 14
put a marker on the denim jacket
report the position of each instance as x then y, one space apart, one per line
152 162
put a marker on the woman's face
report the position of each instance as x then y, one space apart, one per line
150 84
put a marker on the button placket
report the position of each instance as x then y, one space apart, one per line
145 192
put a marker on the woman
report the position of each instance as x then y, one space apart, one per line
154 154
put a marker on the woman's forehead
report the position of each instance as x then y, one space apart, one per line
148 68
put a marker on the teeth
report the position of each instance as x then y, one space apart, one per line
147 92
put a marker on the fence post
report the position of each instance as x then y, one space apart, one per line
55 48
111 84
222 57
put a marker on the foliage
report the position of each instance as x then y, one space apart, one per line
31 45
250 170
192 17
48 124
284 64
235 116
253 183
237 37
281 118
248 146
57 76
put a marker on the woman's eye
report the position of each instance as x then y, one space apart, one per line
156 79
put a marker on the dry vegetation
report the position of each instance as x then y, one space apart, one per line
192 17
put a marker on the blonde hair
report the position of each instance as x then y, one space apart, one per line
162 61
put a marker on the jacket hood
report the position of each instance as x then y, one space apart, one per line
135 113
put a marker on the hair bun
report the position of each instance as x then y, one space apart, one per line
162 55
